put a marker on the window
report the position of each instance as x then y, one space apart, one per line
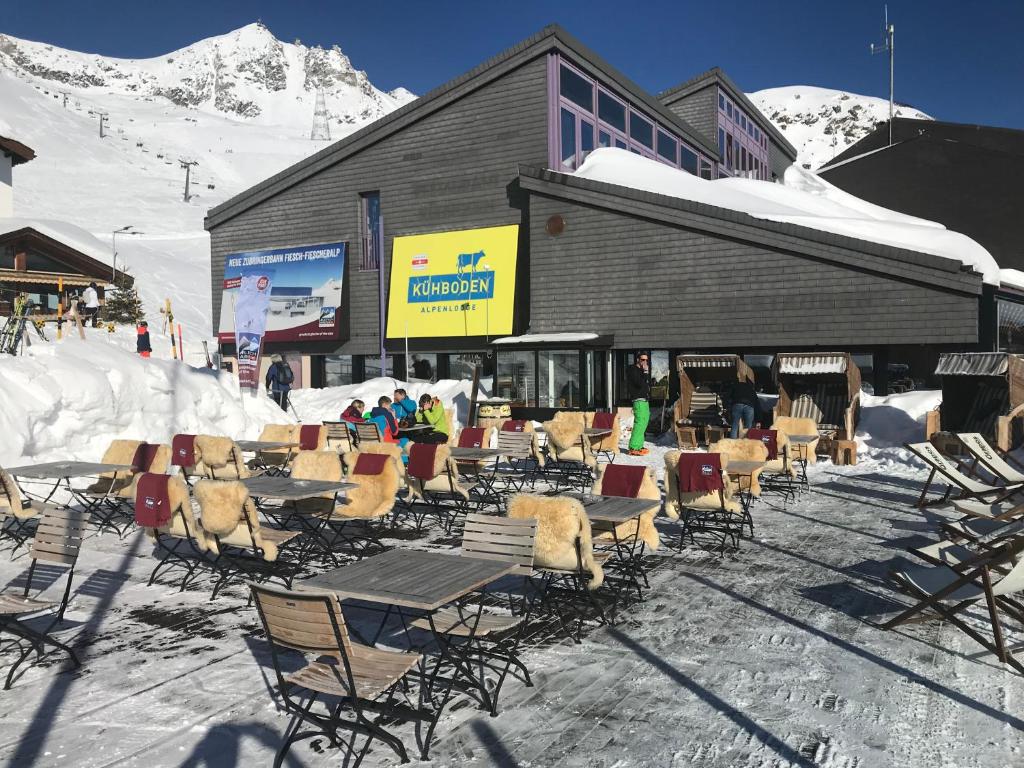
423 366
721 142
515 379
743 122
586 139
743 158
728 108
576 89
611 111
641 130
1011 326
461 366
757 135
728 151
721 102
371 367
373 232
568 139
604 139
338 370
667 147
558 375
619 144
706 171
689 160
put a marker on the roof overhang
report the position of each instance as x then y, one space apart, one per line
19 153
43 278
73 258
973 364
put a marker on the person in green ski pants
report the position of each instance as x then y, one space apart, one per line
638 387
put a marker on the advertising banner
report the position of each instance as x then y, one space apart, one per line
251 303
459 283
305 304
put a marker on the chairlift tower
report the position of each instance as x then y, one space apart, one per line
187 165
103 120
321 125
888 35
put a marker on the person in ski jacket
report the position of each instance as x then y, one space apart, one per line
354 413
385 419
91 299
431 412
743 406
279 380
403 406
638 387
142 345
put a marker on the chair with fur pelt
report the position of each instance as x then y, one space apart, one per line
741 449
394 450
793 425
434 480
571 572
647 489
608 445
219 458
163 509
358 518
275 460
242 549
108 484
712 509
574 461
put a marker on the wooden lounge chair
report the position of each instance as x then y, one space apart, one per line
163 509
482 639
241 547
949 473
361 689
57 541
434 480
570 571
990 459
703 504
988 576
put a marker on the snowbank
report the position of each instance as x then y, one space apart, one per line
67 400
887 423
804 199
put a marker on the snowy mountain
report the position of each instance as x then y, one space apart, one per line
240 105
822 122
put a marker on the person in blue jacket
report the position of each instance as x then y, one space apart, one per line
403 406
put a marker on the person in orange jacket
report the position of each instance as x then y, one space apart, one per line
142 345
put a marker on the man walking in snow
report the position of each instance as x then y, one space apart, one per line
638 388
279 380
91 298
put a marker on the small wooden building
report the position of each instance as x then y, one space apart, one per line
981 392
824 386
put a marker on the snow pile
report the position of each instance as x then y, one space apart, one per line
68 400
822 122
804 199
888 423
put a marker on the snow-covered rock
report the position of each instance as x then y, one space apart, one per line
822 122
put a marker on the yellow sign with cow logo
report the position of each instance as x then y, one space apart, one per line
459 283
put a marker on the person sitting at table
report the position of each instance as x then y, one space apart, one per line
431 412
386 421
404 407
354 414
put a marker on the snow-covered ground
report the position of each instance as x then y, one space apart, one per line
822 122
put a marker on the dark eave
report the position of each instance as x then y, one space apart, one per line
715 76
924 268
70 257
20 153
549 39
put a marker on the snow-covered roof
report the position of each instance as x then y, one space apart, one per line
545 338
61 231
804 199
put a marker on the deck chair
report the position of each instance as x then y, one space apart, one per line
57 541
275 461
367 432
434 480
113 510
219 458
990 576
163 509
361 689
185 456
950 474
18 515
699 495
607 446
340 437
481 639
570 571
242 549
573 462
990 459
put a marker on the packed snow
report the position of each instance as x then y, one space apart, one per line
822 122
804 199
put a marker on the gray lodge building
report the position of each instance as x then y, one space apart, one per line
598 270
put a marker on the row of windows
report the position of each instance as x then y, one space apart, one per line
744 123
590 117
737 157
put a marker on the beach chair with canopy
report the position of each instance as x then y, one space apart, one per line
823 386
702 380
981 392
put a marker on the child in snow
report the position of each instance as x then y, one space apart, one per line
142 345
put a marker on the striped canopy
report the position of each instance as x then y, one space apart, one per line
972 364
827 362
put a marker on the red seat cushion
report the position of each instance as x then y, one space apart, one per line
183 450
152 501
514 425
622 480
471 437
309 437
370 464
700 472
421 461
770 438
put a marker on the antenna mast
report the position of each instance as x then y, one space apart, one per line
888 34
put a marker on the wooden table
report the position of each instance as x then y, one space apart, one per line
255 446
801 445
606 513
475 454
747 469
597 432
61 473
414 428
291 489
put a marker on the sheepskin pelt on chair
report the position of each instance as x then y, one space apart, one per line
160 464
565 433
10 499
182 516
675 501
388 449
648 490
560 522
222 504
316 465
445 476
742 449
608 442
375 495
793 425
221 458
118 452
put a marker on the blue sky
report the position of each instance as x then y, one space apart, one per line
959 61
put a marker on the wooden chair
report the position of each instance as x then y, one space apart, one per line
573 462
360 681
367 432
57 540
242 549
185 456
517 451
276 460
434 480
608 445
475 637
18 515
705 506
103 491
339 437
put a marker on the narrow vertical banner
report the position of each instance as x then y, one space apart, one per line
252 303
